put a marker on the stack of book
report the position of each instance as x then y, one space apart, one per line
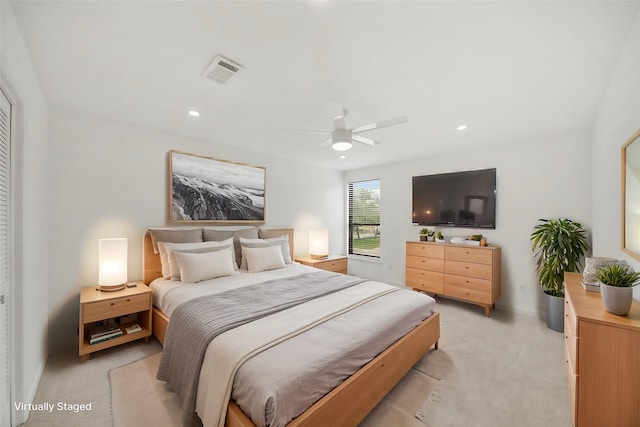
100 334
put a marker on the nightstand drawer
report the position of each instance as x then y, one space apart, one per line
338 265
101 310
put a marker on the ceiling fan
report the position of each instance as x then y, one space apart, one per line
342 138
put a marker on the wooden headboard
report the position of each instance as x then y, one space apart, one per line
152 268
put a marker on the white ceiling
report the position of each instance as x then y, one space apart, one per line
511 71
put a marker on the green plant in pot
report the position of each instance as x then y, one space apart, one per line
616 288
423 234
559 246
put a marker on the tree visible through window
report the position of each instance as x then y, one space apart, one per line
364 218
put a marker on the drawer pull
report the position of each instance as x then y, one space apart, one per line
128 300
113 303
467 267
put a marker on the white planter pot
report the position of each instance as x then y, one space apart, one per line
616 300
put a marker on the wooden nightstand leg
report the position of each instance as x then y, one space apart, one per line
84 357
146 339
487 311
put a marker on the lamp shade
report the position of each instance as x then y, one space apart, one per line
112 263
319 243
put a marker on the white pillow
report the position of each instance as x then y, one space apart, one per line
263 259
196 267
173 270
281 241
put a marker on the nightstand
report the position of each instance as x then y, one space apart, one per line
336 263
101 308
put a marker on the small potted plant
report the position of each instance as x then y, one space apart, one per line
423 234
440 237
616 288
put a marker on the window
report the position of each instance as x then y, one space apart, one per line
364 218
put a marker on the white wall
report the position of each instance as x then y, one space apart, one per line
110 179
617 119
543 178
29 272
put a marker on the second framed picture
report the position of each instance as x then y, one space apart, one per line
204 189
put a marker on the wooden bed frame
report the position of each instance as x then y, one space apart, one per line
348 403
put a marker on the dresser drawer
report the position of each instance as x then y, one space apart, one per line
572 384
468 269
480 256
570 319
425 280
101 310
571 343
468 288
425 250
423 263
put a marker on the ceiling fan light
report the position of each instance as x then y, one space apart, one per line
341 145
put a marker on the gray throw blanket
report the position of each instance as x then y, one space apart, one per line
195 323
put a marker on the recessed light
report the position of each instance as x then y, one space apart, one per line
462 127
343 157
194 113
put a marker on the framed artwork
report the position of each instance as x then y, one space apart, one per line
205 189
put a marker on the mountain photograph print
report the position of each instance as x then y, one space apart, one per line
206 189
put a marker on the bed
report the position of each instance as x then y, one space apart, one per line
346 404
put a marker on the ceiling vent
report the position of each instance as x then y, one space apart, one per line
221 69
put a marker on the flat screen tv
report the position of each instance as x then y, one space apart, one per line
457 199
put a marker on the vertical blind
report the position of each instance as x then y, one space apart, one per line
5 138
364 218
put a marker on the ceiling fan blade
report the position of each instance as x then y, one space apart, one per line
364 140
320 132
378 125
323 144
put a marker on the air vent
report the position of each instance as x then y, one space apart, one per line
221 69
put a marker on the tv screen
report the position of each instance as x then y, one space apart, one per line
457 199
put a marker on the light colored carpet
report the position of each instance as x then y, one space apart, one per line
502 371
134 386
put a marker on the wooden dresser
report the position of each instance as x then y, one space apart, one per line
469 273
602 355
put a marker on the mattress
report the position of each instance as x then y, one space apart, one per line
278 384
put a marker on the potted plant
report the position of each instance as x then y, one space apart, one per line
440 237
616 288
559 245
423 234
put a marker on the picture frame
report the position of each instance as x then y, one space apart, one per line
208 190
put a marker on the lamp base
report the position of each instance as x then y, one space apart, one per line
318 256
111 288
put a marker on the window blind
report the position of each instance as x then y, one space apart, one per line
364 218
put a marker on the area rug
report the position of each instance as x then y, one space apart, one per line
138 399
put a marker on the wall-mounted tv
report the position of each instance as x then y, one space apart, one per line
457 199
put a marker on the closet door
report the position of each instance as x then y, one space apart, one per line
5 300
